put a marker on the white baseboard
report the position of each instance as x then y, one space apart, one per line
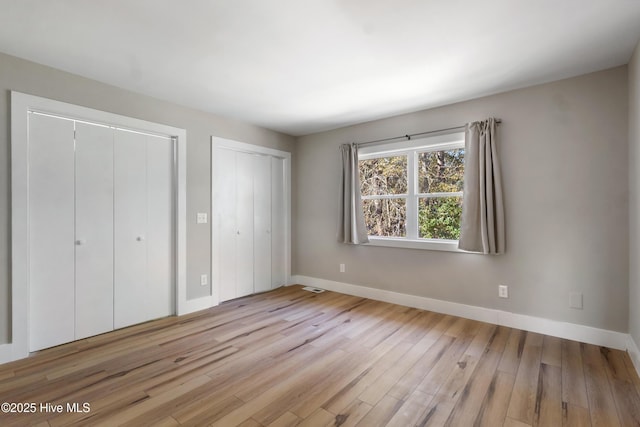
572 331
634 353
10 352
5 353
197 304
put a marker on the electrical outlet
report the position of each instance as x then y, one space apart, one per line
575 300
503 291
342 269
204 280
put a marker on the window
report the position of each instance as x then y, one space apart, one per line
412 192
383 184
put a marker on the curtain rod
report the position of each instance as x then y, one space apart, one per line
409 136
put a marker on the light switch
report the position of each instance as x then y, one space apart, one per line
201 218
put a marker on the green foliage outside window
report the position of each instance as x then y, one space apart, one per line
440 172
439 218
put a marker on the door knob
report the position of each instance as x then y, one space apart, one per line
139 238
80 242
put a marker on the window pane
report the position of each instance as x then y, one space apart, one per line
385 217
439 217
386 175
441 171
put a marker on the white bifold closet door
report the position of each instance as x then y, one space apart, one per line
249 220
143 232
94 230
235 180
261 223
51 232
225 222
100 229
278 216
71 230
244 224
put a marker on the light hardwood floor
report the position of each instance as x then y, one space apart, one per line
291 357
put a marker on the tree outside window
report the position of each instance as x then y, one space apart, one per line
413 193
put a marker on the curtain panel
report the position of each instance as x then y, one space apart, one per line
482 227
351 226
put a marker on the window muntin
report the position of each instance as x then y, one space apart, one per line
429 207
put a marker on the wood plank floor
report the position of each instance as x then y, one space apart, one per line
293 358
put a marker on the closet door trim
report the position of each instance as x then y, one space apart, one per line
218 143
21 106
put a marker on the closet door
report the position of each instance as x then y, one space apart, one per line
245 226
262 223
94 230
143 204
278 253
51 231
225 223
159 299
130 211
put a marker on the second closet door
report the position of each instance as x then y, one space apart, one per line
160 297
244 224
248 248
262 223
278 221
143 233
130 284
94 230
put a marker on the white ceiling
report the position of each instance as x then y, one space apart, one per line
303 66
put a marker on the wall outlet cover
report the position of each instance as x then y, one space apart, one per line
503 291
575 300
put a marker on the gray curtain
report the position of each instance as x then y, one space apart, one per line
482 225
352 228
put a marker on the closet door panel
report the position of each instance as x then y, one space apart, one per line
160 237
244 216
94 230
130 211
278 215
225 222
51 231
262 223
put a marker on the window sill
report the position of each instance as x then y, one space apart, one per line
430 245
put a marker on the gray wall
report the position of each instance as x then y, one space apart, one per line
563 147
24 76
634 195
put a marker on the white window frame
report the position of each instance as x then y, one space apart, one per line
411 149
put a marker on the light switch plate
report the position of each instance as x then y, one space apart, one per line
204 279
201 218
